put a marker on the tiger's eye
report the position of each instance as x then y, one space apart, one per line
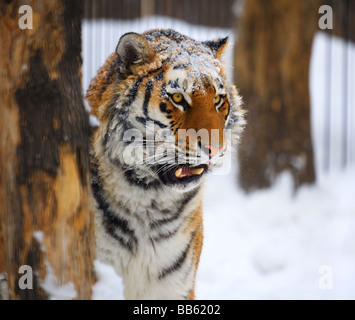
217 100
177 97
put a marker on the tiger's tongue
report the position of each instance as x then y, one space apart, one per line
186 171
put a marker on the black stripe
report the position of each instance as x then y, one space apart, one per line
207 81
160 76
105 140
113 224
166 60
148 94
177 128
158 123
163 107
109 110
181 66
163 94
131 176
221 107
144 120
188 197
220 83
168 234
119 68
154 206
141 120
174 83
164 236
229 110
178 263
133 93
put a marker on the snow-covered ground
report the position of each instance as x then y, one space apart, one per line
272 244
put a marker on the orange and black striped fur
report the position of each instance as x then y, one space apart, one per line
149 212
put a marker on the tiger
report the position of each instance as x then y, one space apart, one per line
148 219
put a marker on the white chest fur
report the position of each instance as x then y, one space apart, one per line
142 233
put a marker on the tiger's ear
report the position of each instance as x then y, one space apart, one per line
133 49
217 46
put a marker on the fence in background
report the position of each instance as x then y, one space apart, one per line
332 84
333 65
211 13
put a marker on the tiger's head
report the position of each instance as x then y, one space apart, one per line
164 104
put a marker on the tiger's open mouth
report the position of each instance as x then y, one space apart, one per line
182 173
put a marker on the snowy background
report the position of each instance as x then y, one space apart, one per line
272 244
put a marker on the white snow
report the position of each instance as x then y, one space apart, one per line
93 121
55 290
109 285
272 244
38 235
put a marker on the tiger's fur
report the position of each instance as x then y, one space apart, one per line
149 230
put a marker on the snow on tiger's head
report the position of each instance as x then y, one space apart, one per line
162 83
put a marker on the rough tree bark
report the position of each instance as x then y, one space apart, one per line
272 59
46 219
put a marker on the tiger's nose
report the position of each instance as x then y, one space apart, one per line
212 150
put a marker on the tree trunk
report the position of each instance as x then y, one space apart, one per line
272 60
46 219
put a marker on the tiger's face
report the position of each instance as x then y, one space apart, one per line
168 108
